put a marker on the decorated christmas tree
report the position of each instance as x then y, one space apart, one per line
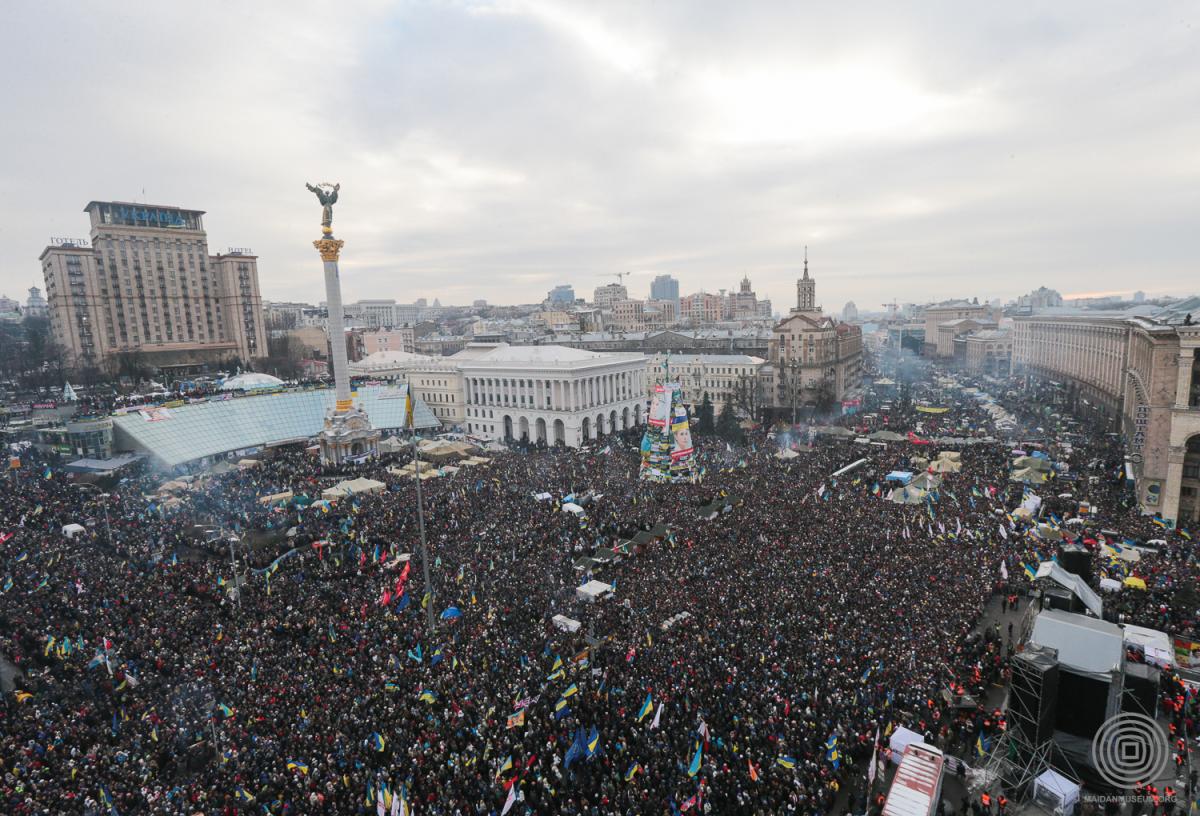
667 452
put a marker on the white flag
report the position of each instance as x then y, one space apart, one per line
657 715
874 753
1003 533
1004 570
512 799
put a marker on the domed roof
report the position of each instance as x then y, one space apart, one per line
251 381
381 360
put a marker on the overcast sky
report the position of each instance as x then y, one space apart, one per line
495 149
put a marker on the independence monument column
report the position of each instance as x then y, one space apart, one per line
347 434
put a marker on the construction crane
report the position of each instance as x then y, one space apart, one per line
620 276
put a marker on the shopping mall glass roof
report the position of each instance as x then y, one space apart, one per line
173 436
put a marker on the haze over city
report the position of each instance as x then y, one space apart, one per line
495 149
567 408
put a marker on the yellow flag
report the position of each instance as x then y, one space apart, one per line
408 409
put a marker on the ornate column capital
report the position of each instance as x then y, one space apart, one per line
329 248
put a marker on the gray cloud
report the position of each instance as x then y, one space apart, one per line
493 149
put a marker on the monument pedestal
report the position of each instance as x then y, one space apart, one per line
347 436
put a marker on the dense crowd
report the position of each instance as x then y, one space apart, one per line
820 616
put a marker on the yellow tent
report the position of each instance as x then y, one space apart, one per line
1135 582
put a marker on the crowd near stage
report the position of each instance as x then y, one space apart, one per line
742 643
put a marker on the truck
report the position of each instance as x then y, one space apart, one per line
917 785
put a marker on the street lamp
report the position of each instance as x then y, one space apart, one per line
421 515
104 503
793 383
237 583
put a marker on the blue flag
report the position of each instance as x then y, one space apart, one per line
576 750
694 768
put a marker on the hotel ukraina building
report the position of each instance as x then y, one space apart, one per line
144 283
1142 376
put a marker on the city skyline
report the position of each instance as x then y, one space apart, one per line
1029 147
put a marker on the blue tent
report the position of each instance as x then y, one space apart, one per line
451 612
901 476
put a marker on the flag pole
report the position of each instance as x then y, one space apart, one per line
412 429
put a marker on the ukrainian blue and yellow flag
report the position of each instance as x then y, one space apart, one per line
982 745
377 741
427 696
506 765
571 689
787 762
831 751
646 708
633 771
694 767
593 742
297 765
245 795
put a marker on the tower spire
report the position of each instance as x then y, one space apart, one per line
806 290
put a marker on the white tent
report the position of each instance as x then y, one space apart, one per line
391 445
1110 585
786 453
565 624
907 495
902 738
72 530
946 466
542 496
926 481
572 507
351 487
1055 792
594 591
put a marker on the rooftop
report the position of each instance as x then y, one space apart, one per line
714 359
251 381
173 436
989 334
541 354
381 360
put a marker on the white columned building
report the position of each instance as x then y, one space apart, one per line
552 394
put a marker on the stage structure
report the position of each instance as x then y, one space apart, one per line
667 451
347 435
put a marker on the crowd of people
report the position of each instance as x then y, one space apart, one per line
154 676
